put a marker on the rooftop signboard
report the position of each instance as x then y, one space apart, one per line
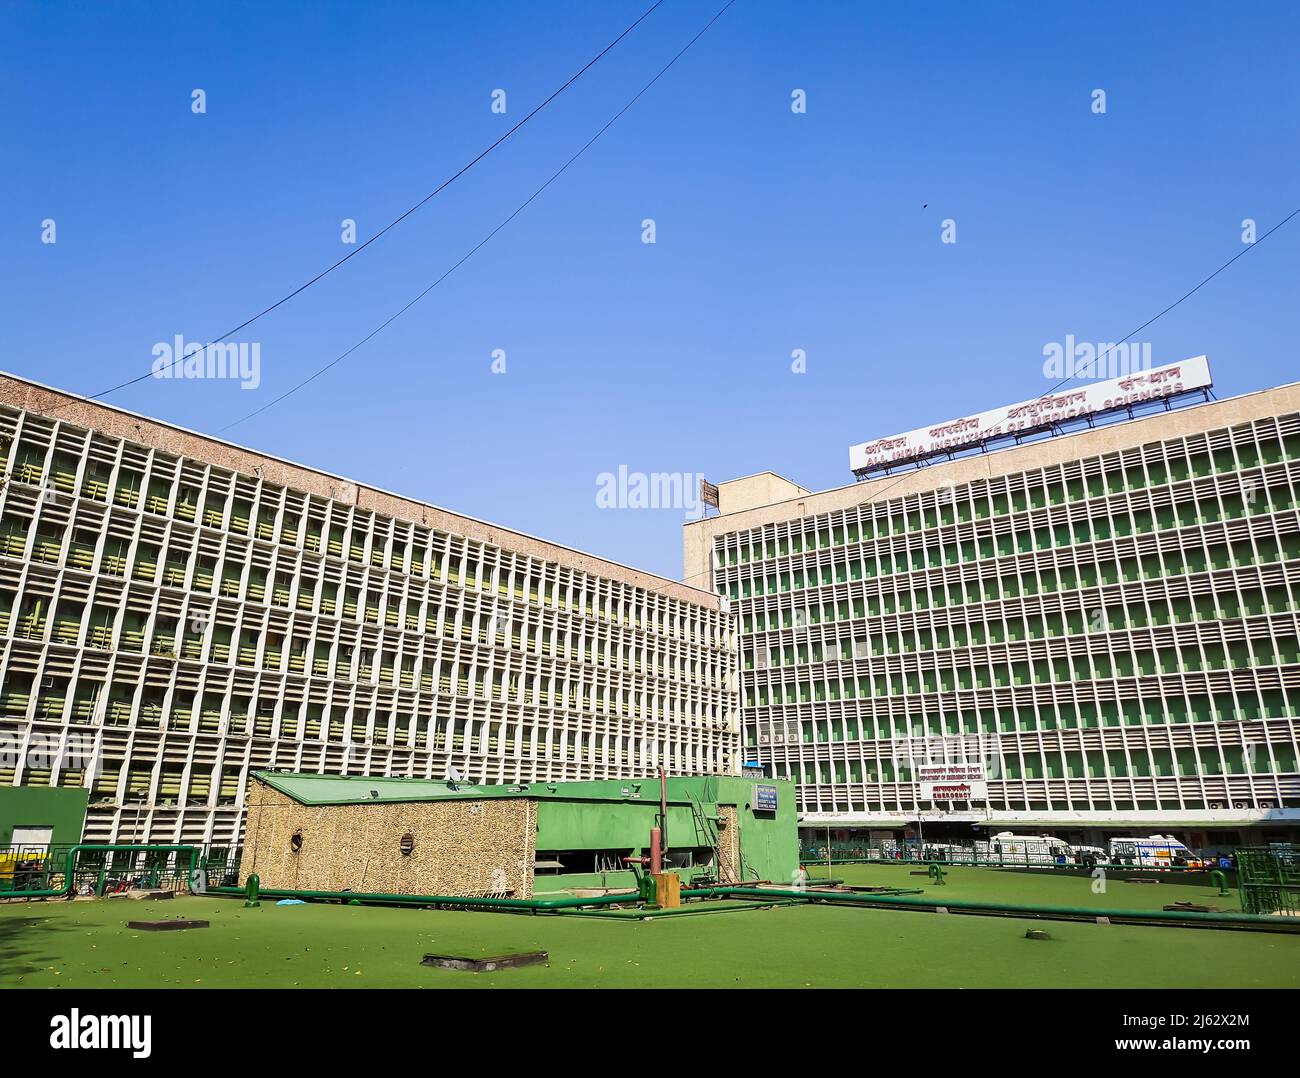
1041 414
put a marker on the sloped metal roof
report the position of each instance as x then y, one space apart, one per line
355 790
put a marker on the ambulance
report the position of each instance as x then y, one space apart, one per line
1156 851
1012 849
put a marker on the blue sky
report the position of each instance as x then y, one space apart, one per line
775 231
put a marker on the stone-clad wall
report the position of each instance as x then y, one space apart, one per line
461 847
728 845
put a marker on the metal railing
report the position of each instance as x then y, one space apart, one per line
982 856
25 869
1269 879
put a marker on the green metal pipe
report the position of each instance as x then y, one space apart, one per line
532 904
540 905
565 902
696 910
73 851
1141 916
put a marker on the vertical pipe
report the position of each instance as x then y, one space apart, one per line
663 812
656 851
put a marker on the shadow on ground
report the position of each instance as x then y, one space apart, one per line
24 942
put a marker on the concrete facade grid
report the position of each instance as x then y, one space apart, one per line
1115 636
168 624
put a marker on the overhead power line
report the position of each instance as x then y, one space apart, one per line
481 243
1186 295
402 217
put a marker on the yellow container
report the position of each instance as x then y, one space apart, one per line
668 890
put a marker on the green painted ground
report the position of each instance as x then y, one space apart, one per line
54 944
1000 885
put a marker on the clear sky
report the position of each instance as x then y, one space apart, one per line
775 230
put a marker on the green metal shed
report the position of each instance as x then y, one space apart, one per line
36 816
574 834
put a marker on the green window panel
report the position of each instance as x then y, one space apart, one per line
1234 506
1264 651
1269 550
1245 706
1288 649
1222 708
1235 760
1269 451
1284 756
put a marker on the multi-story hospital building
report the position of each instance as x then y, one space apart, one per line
177 611
1083 634
1080 634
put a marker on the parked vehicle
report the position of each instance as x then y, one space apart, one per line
1155 851
1090 856
21 870
1012 849
945 851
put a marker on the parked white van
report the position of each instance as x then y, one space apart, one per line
1155 851
1013 849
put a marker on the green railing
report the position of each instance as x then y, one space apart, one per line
1269 879
95 870
844 852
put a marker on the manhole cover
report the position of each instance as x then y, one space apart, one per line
484 965
173 925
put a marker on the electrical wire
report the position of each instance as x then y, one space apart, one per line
402 217
876 494
481 243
